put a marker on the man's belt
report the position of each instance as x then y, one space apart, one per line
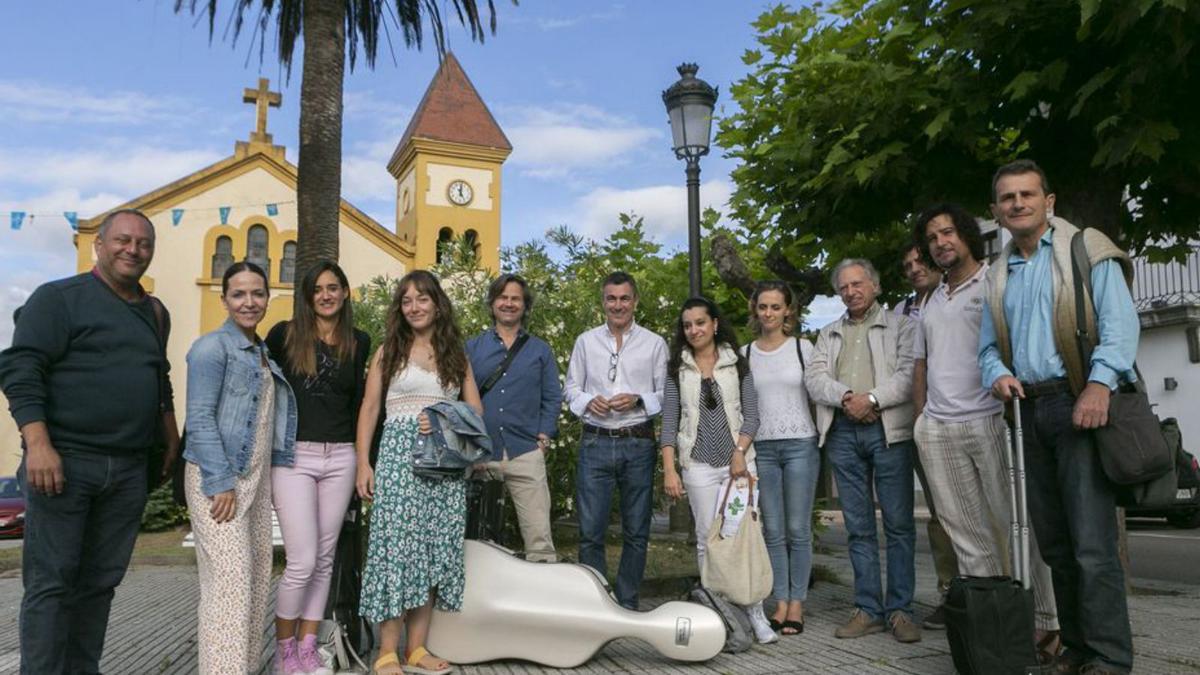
643 430
1046 388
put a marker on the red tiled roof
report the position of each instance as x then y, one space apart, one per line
452 110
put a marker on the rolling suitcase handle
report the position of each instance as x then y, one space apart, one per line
1019 533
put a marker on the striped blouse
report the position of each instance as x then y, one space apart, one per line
714 444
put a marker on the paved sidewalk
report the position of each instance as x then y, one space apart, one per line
153 631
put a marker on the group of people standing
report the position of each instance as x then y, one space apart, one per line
289 424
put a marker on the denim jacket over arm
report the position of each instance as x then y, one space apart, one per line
224 371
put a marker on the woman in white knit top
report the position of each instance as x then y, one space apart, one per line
788 457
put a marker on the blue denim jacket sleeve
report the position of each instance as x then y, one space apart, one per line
206 362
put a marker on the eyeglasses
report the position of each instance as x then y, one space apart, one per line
710 395
612 366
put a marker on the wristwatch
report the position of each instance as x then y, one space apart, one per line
874 401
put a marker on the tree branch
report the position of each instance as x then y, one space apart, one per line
730 266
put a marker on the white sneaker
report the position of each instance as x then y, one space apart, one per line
762 628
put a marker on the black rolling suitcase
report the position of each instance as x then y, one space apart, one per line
989 620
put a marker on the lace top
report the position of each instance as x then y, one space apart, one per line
413 389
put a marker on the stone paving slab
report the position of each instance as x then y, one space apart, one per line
153 631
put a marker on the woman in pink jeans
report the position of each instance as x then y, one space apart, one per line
324 359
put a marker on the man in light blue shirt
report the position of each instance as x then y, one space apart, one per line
521 400
1027 348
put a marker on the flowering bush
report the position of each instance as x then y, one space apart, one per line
566 293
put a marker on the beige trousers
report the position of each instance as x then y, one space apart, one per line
968 476
525 478
234 562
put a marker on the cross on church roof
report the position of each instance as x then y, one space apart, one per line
261 98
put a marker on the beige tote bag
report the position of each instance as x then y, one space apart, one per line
738 567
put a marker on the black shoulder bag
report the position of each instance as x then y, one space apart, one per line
1133 450
503 367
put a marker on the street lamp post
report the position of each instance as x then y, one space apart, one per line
690 103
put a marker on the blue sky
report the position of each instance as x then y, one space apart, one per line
102 102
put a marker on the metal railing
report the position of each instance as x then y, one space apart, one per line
1166 284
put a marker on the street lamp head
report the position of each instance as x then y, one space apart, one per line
690 103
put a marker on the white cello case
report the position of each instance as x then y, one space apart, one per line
558 615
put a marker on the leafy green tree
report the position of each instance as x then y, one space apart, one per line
856 114
566 289
333 31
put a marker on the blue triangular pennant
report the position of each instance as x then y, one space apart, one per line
72 219
224 215
176 216
16 218
272 209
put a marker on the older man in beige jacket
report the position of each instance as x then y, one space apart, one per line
861 379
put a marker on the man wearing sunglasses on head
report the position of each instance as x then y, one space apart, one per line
615 384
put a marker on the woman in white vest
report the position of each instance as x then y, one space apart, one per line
710 415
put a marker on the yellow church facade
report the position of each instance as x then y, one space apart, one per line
447 167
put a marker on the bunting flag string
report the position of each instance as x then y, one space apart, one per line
20 219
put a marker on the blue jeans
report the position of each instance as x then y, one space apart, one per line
1073 511
787 482
626 464
77 546
860 456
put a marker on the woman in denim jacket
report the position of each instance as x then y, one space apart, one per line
241 420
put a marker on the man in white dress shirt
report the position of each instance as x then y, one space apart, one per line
615 383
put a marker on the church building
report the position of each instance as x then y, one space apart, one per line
447 170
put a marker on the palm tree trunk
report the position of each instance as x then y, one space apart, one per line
320 180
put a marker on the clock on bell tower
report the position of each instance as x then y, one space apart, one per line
447 170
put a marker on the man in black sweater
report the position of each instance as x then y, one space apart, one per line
87 383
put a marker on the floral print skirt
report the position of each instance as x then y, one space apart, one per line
415 543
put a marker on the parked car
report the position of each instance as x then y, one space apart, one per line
1184 512
12 508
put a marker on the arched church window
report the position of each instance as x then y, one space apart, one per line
287 266
472 238
256 248
445 240
222 256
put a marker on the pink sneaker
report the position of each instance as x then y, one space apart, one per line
287 660
310 660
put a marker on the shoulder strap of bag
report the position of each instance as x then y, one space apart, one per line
160 324
800 354
503 367
1081 274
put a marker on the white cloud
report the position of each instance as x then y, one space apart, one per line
552 141
126 170
551 23
823 310
364 172
40 103
663 208
383 112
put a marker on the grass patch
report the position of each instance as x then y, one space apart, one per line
666 558
152 548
